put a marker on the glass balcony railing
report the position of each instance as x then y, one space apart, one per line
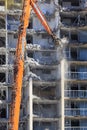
75 93
76 75
75 111
75 128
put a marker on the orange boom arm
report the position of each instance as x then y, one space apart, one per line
19 63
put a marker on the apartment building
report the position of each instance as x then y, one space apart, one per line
54 92
73 25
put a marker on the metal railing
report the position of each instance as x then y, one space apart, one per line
76 75
75 93
75 128
75 111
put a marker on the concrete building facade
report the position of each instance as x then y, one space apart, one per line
54 91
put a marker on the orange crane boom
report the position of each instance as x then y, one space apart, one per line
19 62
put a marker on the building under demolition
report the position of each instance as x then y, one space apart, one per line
54 92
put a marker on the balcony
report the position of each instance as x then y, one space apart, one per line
75 111
48 61
76 93
76 75
49 78
45 115
73 55
73 24
76 128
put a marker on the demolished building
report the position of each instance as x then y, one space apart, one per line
54 92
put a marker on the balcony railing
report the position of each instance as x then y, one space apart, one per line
49 78
76 75
76 24
76 128
68 56
47 61
42 114
75 93
72 8
75 111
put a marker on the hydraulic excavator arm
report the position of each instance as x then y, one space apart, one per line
19 62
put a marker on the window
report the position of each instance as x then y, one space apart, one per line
2 77
3 112
74 37
29 39
30 54
2 23
45 53
73 68
44 36
9 17
73 20
75 123
3 126
2 94
47 1
46 106
2 59
67 122
45 71
30 26
2 41
64 34
82 36
12 17
74 87
74 53
17 1
82 54
2 3
15 36
75 3
82 19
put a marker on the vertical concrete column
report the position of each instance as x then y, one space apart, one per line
6 31
6 93
69 53
7 112
6 39
6 55
7 127
62 93
69 35
30 105
7 100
